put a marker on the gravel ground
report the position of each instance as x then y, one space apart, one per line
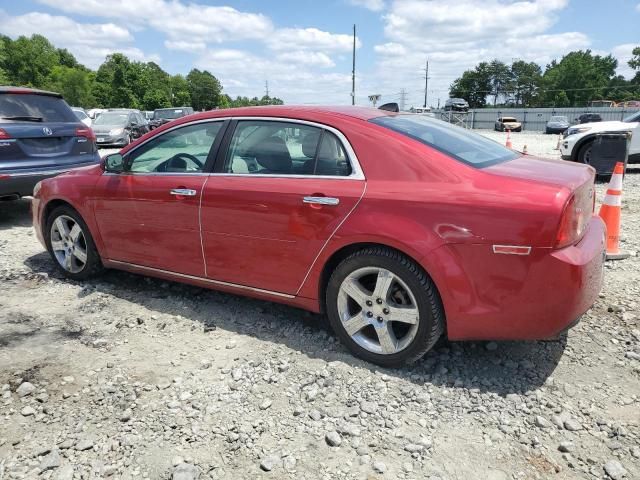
131 377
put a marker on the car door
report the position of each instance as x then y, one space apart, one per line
280 190
149 215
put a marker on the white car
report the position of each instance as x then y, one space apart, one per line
81 115
578 139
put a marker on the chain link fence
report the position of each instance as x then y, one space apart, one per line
533 119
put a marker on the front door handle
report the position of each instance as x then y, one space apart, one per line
183 192
321 200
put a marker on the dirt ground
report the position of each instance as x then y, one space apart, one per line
130 377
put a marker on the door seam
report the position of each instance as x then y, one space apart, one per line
329 239
204 258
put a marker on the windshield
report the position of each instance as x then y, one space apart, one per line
461 144
112 118
508 120
36 108
169 114
634 117
80 114
559 119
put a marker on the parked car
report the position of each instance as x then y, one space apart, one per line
390 224
148 115
630 104
601 103
39 137
94 112
165 115
456 104
557 124
82 115
589 118
578 139
503 124
119 127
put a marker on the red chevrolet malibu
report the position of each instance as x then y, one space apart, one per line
400 227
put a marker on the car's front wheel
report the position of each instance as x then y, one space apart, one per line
71 245
384 307
584 154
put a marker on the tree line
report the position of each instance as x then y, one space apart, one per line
576 79
118 83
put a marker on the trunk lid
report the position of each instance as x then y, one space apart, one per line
552 172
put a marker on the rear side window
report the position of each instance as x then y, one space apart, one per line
34 108
282 148
461 144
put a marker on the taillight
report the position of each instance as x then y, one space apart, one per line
4 135
87 133
575 216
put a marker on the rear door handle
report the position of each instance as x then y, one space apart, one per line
321 200
183 192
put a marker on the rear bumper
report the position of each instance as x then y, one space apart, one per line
21 183
534 297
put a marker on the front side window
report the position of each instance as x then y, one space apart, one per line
182 150
461 144
282 148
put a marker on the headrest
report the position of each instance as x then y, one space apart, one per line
272 154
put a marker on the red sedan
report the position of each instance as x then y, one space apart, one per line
400 227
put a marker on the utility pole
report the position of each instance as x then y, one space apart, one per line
426 83
353 71
266 87
403 99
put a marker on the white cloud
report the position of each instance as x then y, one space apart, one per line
179 21
185 46
455 36
312 59
89 42
623 54
373 5
310 39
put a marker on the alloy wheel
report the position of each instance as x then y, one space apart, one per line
69 244
378 310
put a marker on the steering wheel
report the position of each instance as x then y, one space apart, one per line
164 166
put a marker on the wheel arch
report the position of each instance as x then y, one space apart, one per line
54 203
344 251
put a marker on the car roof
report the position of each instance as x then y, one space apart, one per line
299 111
168 108
34 91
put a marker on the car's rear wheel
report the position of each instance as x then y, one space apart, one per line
584 154
71 245
384 307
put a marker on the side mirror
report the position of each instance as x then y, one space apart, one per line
114 163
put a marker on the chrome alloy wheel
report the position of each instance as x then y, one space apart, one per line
68 244
378 310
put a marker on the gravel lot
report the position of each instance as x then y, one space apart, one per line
130 377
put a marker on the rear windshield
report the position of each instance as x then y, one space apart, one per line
508 119
34 108
558 119
461 144
112 118
169 114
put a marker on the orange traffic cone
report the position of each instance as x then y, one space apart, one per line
559 141
610 213
508 144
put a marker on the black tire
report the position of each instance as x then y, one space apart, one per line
584 153
93 265
431 323
547 131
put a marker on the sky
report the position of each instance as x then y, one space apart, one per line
302 48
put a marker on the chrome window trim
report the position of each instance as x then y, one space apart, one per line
356 170
203 279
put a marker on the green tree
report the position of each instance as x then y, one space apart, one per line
581 75
526 80
29 61
179 91
205 90
155 98
74 84
474 86
500 80
634 62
